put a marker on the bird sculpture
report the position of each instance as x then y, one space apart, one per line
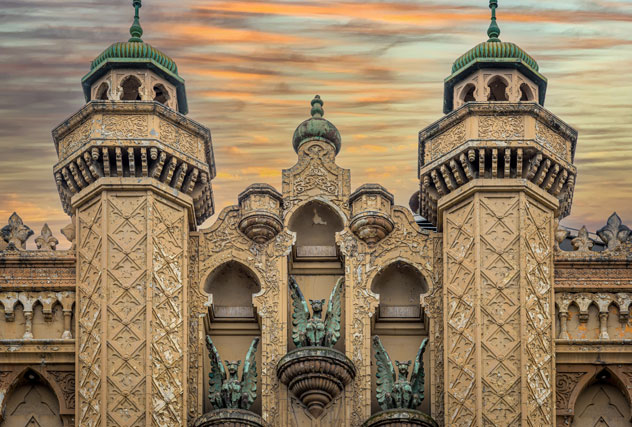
398 392
227 391
311 330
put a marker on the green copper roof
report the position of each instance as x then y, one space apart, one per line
317 128
134 51
494 50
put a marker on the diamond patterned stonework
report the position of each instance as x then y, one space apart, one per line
499 305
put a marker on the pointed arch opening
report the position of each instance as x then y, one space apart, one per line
497 89
131 89
161 94
526 94
31 401
602 403
231 286
102 92
467 94
315 224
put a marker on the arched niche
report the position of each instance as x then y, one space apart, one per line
497 89
399 286
31 401
400 321
315 224
602 403
130 86
231 286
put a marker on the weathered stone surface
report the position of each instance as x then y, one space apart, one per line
316 375
229 418
400 418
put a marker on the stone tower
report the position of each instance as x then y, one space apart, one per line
495 173
135 175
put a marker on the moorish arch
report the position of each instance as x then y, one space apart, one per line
604 401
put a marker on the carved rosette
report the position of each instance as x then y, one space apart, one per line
260 207
371 211
315 375
229 417
400 418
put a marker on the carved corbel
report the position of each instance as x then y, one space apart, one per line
69 232
560 234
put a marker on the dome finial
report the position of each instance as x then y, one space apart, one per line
136 30
317 107
493 31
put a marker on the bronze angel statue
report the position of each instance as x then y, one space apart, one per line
227 391
311 331
399 393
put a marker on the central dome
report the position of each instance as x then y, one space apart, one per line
317 128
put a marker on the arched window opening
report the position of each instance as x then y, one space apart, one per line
131 86
467 94
315 224
102 92
525 93
497 89
602 404
160 94
400 286
32 403
232 285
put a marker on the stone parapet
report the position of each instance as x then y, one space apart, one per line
484 140
134 139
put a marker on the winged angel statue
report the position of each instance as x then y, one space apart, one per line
399 393
229 392
311 331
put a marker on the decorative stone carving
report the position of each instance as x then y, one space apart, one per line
229 417
46 240
582 242
316 375
614 232
371 210
230 397
261 210
16 233
69 231
400 418
560 234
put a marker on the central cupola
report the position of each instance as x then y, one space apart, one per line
494 70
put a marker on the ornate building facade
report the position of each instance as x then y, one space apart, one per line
527 324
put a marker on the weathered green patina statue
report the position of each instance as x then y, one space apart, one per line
229 392
311 331
399 393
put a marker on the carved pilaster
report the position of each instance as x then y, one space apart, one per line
498 305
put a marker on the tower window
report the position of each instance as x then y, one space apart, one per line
160 94
467 95
525 93
130 86
497 89
102 92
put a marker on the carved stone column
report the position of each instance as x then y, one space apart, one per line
494 177
137 177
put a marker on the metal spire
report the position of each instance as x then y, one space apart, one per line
493 31
135 30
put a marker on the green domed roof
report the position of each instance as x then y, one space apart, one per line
134 50
494 50
317 128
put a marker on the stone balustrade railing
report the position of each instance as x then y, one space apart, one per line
588 315
27 303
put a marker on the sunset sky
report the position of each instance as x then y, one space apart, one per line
251 68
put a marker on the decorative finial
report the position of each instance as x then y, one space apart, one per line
493 31
136 30
317 107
